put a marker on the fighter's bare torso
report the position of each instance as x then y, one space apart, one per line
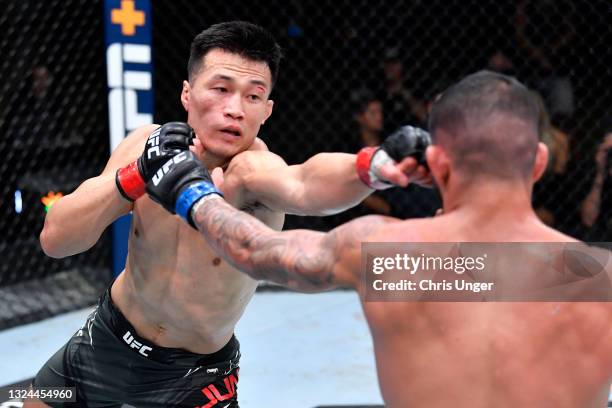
175 290
489 354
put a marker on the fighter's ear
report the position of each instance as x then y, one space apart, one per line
439 164
541 161
185 93
269 107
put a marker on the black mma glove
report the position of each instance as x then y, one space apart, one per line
179 183
165 142
404 142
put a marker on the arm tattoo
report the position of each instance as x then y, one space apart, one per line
298 259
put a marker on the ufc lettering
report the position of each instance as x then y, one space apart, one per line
167 166
130 341
153 143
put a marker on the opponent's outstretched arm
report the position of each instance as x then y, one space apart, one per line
299 259
303 260
327 183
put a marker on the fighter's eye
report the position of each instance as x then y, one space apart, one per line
254 97
220 89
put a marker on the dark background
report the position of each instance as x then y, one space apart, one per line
54 140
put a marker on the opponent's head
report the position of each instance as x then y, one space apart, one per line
485 128
232 68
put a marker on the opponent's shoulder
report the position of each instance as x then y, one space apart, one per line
398 230
348 237
344 245
130 148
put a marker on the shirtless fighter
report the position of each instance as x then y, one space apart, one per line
485 159
162 335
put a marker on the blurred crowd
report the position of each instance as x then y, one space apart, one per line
575 193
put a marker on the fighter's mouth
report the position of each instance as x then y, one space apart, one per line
231 131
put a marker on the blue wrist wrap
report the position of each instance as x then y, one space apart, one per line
190 195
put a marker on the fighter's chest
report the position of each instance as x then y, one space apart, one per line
166 240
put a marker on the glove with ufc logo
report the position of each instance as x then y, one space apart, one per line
164 143
404 142
179 183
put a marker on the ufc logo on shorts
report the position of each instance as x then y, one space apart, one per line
167 166
130 341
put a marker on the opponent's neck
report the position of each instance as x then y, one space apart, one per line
489 197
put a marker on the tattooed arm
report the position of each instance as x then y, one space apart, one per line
302 260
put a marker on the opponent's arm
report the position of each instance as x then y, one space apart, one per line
328 183
75 222
299 259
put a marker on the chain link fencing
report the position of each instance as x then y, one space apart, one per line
53 134
352 72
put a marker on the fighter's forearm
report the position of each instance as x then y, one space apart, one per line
327 183
75 222
295 259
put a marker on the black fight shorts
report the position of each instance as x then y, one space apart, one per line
110 365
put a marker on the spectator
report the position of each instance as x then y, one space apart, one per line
545 33
596 209
550 197
400 105
36 120
500 62
368 115
413 201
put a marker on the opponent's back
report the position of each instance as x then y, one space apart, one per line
503 354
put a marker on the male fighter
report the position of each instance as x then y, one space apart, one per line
485 159
162 335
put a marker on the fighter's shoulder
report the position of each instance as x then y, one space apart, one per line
258 145
256 160
130 148
138 136
387 229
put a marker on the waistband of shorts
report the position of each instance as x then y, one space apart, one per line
126 334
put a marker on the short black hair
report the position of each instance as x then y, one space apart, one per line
238 37
490 123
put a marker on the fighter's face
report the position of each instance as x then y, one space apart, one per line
227 101
372 117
